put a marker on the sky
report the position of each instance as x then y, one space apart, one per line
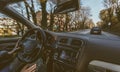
96 6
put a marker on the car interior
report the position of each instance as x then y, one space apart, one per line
60 52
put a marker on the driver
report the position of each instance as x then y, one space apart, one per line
7 54
6 57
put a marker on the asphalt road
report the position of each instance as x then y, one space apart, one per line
104 35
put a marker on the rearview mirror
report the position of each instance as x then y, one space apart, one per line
67 6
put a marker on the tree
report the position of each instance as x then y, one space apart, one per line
109 5
30 10
110 14
104 16
51 16
66 25
85 14
79 18
44 14
117 9
27 10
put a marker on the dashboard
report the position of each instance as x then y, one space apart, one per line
67 49
77 51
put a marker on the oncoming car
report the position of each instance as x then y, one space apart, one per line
95 30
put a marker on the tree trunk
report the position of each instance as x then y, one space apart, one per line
66 23
33 13
44 15
51 21
27 10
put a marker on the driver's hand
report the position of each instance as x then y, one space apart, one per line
29 69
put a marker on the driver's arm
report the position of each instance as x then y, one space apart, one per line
15 49
7 54
4 54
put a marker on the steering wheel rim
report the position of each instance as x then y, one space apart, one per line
41 37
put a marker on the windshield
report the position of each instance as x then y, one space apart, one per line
105 15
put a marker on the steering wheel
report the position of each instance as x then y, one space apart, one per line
32 45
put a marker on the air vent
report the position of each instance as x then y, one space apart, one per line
76 42
63 40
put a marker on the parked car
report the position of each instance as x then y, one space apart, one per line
96 30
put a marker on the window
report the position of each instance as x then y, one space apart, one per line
10 27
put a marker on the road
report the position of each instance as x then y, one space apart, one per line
104 35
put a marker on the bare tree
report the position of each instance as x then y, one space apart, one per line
27 9
85 14
44 14
30 10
